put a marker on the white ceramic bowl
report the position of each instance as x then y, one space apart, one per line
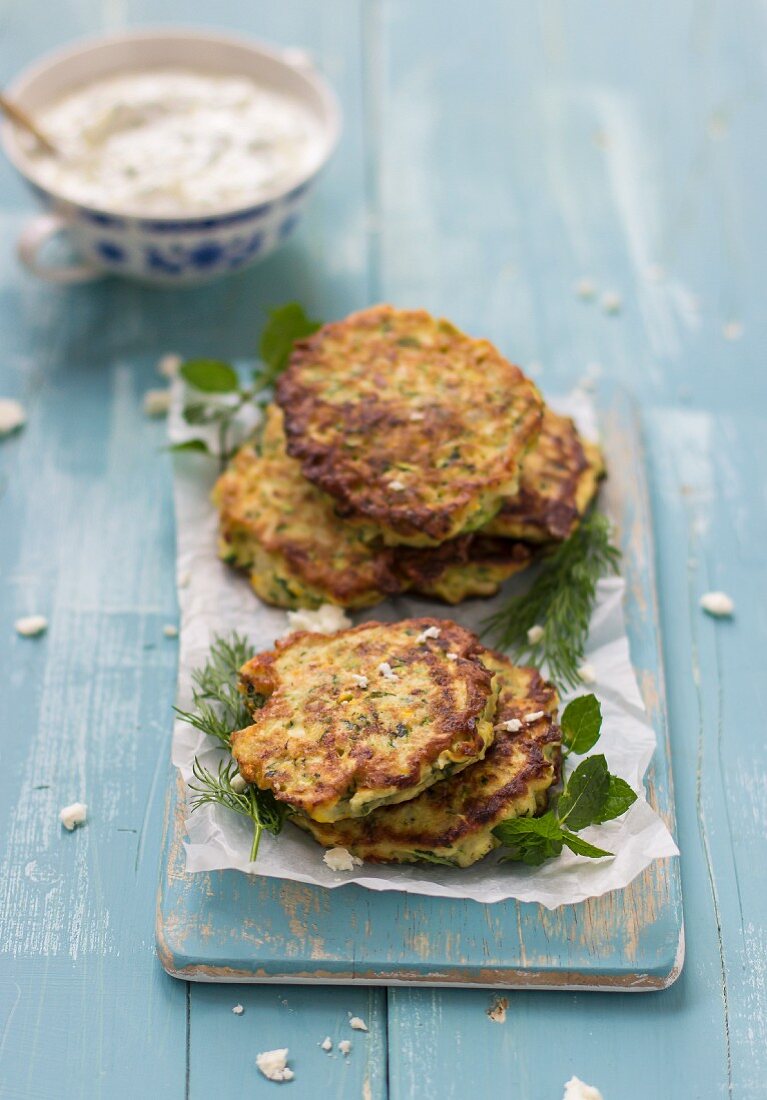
170 250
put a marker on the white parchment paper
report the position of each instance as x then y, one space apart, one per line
216 600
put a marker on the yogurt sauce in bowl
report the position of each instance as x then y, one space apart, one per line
165 142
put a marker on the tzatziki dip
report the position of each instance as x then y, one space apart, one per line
166 142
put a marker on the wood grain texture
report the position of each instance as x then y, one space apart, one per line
493 153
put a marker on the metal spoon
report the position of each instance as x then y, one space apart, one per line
22 119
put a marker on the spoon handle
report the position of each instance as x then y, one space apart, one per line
21 118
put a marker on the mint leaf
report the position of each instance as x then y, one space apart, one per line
210 375
581 724
531 840
582 847
586 793
286 324
191 445
619 797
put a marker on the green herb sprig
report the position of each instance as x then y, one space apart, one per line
590 796
218 709
261 807
220 397
561 600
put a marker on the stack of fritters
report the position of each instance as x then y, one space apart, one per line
363 733
400 455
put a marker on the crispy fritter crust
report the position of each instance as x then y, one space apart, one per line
560 474
278 525
453 820
334 747
412 426
473 565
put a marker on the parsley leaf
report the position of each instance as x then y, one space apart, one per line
585 794
286 324
581 724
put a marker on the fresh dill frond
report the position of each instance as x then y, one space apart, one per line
560 600
261 807
219 705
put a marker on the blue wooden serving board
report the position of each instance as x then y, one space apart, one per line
225 926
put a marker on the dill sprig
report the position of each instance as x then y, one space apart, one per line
228 790
560 600
219 706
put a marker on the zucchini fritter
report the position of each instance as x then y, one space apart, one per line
452 821
365 717
560 474
416 429
278 525
473 565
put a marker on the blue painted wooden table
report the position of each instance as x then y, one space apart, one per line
494 153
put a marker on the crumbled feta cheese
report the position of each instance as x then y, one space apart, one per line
238 1010
238 783
534 715
512 725
576 1089
397 486
417 416
325 620
718 604
497 1010
339 859
535 633
452 656
357 1023
733 330
157 402
430 632
611 302
12 415
169 365
360 681
170 630
327 1043
73 815
273 1065
31 625
587 674
385 670
585 288
345 1046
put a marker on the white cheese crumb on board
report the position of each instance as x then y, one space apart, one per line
585 288
587 674
157 403
345 1046
12 415
357 1023
273 1065
238 783
718 604
340 859
575 1089
238 1010
73 815
327 1043
29 626
325 620
169 365
611 302
170 630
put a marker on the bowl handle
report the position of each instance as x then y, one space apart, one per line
34 236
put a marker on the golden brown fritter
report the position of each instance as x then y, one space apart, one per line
281 528
365 717
452 821
560 474
416 429
473 565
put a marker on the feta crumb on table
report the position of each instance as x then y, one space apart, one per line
273 1065
170 630
238 1010
327 1043
238 783
585 288
73 815
345 1046
575 1089
29 626
587 674
157 403
12 415
718 604
169 365
325 620
340 859
357 1023
611 302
